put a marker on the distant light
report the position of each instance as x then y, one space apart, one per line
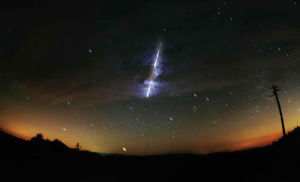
171 118
64 129
124 149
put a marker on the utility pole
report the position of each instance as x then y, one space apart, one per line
275 89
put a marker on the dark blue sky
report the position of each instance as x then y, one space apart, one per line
74 71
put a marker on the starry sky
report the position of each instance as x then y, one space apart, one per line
78 71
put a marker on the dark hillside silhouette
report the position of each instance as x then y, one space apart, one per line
45 160
292 139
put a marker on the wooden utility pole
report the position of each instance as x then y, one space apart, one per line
275 89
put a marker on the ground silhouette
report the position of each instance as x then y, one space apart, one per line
45 160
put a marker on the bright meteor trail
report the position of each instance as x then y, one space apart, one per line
155 72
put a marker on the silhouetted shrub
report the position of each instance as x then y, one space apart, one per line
38 138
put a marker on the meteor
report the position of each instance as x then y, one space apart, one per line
154 73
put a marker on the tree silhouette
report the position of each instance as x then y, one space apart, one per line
38 138
77 146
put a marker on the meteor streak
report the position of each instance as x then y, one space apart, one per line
154 73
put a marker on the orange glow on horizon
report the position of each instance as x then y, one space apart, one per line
61 125
261 141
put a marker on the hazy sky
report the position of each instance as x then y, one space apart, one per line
78 72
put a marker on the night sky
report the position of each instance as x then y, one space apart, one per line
79 72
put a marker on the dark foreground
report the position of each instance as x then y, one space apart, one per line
42 160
